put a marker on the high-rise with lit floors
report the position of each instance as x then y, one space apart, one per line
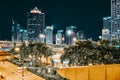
35 24
115 19
49 34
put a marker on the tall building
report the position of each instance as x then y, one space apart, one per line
106 31
80 35
107 22
59 37
22 35
70 34
14 30
115 19
105 34
35 24
18 34
49 34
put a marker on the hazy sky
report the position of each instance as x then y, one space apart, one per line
86 15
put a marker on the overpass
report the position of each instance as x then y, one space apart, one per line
6 45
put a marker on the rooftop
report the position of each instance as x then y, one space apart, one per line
35 10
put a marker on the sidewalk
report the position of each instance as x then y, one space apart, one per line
13 72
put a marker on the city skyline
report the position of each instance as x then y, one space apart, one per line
85 15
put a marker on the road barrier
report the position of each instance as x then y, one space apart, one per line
97 72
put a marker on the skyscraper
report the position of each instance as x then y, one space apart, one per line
59 37
14 30
80 35
105 34
49 34
18 34
106 31
35 24
22 35
115 19
70 34
107 22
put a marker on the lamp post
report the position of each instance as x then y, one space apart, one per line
63 39
69 33
17 49
74 40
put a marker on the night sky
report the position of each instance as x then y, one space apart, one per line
86 15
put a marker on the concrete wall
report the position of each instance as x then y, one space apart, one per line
99 72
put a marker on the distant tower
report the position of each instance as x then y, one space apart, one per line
115 19
107 23
49 34
106 31
15 30
35 24
59 37
105 34
14 26
70 34
80 35
22 35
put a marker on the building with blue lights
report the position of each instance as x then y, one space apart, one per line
18 34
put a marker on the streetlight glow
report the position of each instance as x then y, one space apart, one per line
69 32
17 49
74 39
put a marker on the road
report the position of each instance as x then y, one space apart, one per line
13 72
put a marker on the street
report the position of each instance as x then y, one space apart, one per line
9 71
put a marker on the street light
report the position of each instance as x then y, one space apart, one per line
74 40
17 49
69 33
63 39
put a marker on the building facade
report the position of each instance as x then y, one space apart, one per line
70 34
49 34
14 30
18 34
107 23
80 35
35 24
106 31
59 37
115 19
22 35
105 34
